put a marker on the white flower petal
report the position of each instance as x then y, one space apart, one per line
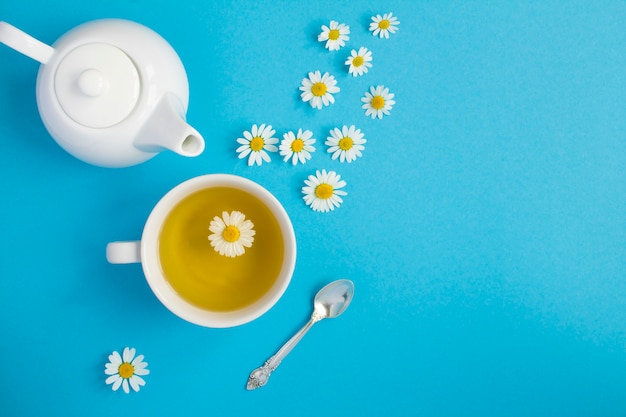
115 358
138 361
112 379
141 371
116 383
136 382
133 383
111 369
125 386
128 354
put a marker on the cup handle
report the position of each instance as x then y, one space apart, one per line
128 252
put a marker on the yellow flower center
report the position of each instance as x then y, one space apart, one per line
257 143
357 61
333 35
345 143
297 145
384 24
231 234
318 89
378 102
126 370
324 191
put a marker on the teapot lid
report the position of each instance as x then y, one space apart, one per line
97 85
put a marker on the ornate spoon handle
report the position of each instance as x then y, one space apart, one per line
260 375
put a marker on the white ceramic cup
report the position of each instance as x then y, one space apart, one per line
146 252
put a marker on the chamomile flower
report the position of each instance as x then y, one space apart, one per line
377 101
232 233
345 144
359 62
384 25
335 36
318 89
322 191
126 370
298 146
257 143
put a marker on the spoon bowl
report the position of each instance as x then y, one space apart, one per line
333 299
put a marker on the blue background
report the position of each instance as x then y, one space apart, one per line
484 226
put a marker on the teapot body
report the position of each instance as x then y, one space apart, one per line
158 67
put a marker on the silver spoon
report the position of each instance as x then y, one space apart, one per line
330 302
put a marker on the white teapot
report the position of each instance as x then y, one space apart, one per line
111 92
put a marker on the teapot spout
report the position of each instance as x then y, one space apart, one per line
166 128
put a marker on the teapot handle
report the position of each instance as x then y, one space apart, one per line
24 43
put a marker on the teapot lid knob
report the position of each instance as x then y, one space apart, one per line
97 85
91 82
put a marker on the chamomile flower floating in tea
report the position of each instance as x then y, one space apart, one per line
384 25
377 101
335 36
322 191
298 146
256 143
318 89
359 62
345 144
232 233
126 370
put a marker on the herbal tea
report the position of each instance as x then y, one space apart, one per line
201 275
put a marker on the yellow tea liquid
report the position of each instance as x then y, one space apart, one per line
202 276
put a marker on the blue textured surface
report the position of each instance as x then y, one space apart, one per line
484 226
